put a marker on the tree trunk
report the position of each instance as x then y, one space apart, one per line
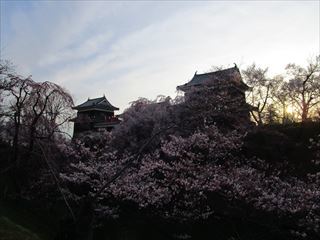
304 114
260 122
16 141
31 140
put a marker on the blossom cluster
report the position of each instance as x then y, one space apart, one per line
196 170
315 145
179 179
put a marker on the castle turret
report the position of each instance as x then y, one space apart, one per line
228 83
95 114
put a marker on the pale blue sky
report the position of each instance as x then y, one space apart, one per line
137 49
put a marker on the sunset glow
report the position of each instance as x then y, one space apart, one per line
137 49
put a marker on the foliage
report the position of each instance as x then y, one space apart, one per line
260 94
293 96
170 175
143 119
34 110
32 113
186 177
303 87
190 161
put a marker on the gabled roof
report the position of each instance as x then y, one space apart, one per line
228 75
96 104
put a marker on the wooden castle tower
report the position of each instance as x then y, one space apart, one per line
93 115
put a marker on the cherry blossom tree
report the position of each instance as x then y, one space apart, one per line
208 105
186 174
143 119
32 110
48 107
17 89
185 177
261 91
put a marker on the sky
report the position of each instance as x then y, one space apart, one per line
133 49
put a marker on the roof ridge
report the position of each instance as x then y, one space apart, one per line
97 98
222 70
97 102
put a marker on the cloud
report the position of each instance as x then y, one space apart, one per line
43 30
132 50
90 47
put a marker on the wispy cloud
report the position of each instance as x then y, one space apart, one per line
127 50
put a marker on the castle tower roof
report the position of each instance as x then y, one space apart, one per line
100 104
229 75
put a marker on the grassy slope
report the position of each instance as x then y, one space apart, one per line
19 222
12 231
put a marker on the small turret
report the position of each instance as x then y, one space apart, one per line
95 114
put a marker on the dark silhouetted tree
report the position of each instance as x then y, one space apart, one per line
303 88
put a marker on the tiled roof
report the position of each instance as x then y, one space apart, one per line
97 103
229 74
